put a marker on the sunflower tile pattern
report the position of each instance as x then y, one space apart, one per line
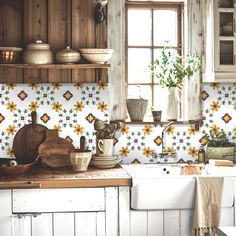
137 143
68 108
72 108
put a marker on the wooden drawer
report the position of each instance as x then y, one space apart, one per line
58 200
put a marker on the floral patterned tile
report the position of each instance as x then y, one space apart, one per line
72 108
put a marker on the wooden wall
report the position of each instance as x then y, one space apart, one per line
57 22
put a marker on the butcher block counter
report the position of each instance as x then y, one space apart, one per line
66 178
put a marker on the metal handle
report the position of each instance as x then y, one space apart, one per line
20 185
22 215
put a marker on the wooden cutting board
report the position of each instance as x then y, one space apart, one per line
27 141
55 151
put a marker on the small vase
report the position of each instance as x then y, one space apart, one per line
171 112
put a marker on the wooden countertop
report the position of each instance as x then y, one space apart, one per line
66 178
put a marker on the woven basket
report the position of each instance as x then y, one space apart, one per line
137 108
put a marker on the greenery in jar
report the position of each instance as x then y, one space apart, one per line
170 69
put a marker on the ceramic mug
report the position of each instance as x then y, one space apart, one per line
105 147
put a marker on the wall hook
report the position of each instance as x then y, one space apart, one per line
99 13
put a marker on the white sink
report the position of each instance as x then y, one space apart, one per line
163 187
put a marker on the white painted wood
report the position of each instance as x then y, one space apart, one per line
63 224
227 216
5 213
85 224
22 225
42 224
155 223
193 46
138 223
212 70
111 211
58 200
124 211
101 225
186 222
116 74
172 223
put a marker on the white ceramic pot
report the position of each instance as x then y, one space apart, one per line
80 160
38 53
67 55
171 111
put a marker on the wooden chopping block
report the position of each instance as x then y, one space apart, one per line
54 152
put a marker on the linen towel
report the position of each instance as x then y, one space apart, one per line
207 206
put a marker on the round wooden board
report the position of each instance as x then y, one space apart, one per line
27 141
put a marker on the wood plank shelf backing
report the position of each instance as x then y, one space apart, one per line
59 23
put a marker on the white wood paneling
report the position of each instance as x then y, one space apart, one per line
5 213
63 224
22 225
42 225
227 216
124 211
116 74
155 223
138 223
101 225
172 223
186 219
58 200
85 224
111 211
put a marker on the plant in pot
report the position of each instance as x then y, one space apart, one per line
156 114
137 107
219 146
170 71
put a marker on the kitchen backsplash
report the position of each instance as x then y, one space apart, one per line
72 108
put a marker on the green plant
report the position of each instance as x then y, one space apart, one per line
170 69
219 139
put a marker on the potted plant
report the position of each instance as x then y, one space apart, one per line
156 114
218 146
137 107
170 70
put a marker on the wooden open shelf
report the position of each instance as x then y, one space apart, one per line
57 66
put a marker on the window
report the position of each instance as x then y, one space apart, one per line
149 28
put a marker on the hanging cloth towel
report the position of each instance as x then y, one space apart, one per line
207 206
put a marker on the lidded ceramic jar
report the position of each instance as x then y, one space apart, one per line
38 53
67 55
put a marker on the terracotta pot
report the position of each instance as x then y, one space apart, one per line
38 53
67 55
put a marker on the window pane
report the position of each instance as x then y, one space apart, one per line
139 27
165 27
138 62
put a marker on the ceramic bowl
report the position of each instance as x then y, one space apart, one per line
97 55
9 54
67 56
38 53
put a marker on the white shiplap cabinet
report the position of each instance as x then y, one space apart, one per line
161 222
59 212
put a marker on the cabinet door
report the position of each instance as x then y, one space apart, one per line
5 213
225 38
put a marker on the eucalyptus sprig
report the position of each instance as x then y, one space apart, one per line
170 69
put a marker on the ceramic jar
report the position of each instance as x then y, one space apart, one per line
38 53
67 55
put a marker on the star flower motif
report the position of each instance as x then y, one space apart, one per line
78 129
215 129
192 151
11 106
147 130
79 106
57 106
11 129
124 151
215 106
147 151
102 106
33 106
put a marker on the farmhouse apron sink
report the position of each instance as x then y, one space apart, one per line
163 187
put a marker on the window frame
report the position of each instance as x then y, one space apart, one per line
179 6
